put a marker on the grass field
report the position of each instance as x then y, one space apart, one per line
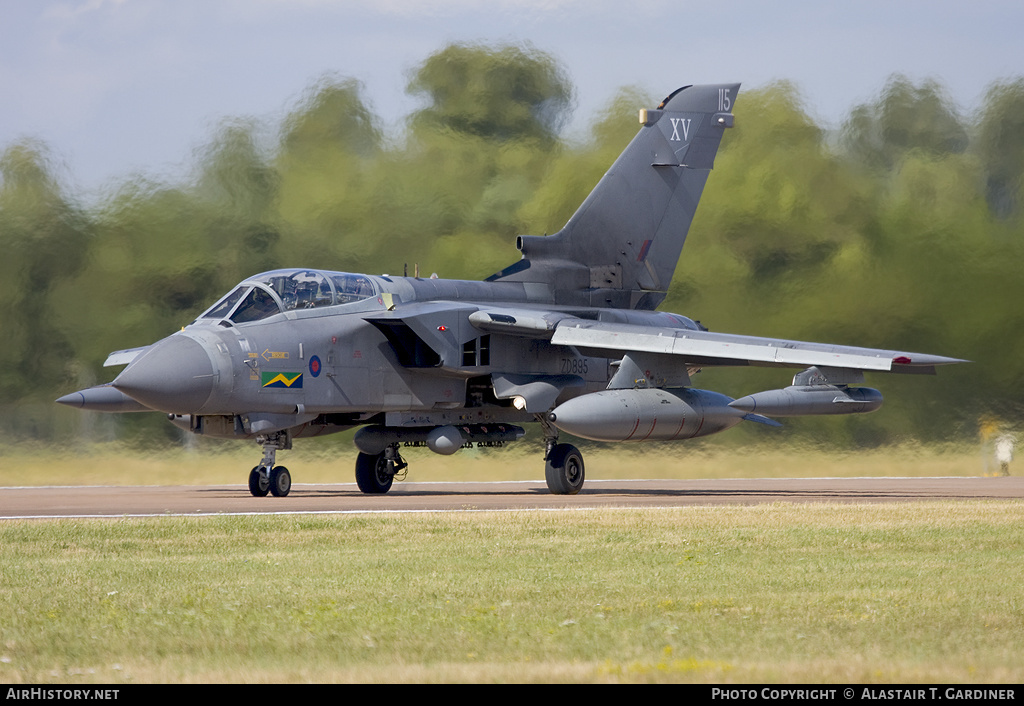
773 593
115 464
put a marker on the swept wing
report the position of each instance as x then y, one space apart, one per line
702 348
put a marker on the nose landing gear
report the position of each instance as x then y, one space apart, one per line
267 477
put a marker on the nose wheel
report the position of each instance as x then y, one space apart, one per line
259 482
277 481
267 477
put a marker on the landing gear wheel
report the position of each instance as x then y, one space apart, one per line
372 473
564 471
280 481
259 483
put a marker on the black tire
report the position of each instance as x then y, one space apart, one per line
280 481
372 473
564 471
259 485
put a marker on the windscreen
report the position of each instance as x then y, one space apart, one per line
224 306
258 304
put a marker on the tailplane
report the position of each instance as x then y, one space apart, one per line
621 247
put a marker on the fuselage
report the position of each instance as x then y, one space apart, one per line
294 347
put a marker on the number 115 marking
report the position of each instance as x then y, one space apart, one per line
724 101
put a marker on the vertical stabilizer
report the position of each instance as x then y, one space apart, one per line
621 247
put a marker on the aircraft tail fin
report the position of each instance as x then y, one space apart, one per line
621 247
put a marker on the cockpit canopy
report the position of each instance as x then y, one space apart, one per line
288 290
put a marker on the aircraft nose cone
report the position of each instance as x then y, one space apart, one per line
73 399
102 398
745 404
175 375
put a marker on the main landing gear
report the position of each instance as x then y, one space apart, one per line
563 467
267 477
376 472
564 471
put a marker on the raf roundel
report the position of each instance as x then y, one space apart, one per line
314 366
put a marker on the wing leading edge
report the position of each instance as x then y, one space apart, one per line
708 348
698 347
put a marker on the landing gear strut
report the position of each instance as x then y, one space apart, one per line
266 477
563 468
376 472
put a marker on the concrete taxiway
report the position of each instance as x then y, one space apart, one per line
121 501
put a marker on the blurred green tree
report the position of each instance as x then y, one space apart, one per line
1000 145
332 116
509 93
904 117
44 238
331 146
236 198
474 154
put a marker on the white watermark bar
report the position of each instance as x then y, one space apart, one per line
857 694
39 693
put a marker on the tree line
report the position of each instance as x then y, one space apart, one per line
902 228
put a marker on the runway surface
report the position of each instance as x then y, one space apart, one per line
120 501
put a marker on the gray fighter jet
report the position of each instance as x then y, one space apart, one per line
567 337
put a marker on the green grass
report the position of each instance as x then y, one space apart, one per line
313 462
790 593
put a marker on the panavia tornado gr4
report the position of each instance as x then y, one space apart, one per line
567 337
